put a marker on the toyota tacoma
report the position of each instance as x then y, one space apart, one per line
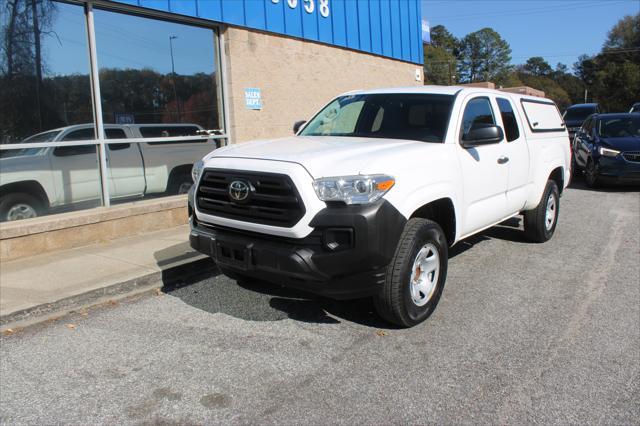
368 195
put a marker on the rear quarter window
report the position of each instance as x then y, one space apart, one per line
542 116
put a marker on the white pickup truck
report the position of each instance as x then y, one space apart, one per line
369 194
35 181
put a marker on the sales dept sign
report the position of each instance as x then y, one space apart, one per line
252 98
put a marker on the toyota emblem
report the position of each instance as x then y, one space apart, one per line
239 190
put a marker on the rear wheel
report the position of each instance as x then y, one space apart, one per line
19 206
540 223
180 184
415 277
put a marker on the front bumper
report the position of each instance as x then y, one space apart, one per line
344 257
619 170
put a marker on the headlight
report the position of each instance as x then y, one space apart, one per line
196 170
361 189
607 152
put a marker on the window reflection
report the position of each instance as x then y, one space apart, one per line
44 76
155 71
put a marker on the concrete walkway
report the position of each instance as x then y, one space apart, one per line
51 284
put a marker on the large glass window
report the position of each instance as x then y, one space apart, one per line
154 71
45 98
160 100
158 80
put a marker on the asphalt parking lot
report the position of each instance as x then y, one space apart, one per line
524 333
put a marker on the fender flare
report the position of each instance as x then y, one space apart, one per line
540 182
408 204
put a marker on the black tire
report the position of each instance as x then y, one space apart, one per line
395 302
9 202
591 174
536 227
178 184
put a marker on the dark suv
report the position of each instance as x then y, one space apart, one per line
607 147
635 107
575 115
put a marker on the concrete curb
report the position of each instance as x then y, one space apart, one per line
169 278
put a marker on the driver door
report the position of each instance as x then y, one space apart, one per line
484 169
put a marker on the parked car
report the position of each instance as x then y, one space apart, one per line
635 107
368 196
35 181
607 147
575 115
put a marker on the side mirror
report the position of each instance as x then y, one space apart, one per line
297 125
482 136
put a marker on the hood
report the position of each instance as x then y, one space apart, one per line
623 144
323 156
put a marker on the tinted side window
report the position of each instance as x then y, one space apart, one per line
477 114
76 135
508 119
80 135
116 134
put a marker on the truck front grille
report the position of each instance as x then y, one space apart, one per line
272 199
633 156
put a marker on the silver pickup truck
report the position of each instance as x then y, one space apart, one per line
36 181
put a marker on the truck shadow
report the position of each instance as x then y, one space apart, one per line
200 285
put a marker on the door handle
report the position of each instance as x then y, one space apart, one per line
503 160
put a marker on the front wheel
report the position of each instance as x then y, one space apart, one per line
19 206
540 223
592 174
415 277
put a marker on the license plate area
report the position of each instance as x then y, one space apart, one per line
231 254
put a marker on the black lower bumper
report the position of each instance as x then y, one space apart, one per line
617 170
344 257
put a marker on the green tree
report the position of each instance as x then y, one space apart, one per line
484 56
443 39
537 66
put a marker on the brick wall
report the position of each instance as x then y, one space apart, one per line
296 78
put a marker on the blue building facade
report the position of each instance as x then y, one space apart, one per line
389 28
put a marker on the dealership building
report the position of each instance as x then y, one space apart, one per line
108 103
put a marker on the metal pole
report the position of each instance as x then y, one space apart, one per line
97 105
173 76
225 91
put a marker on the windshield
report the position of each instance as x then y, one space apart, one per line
37 138
42 137
419 117
581 113
619 127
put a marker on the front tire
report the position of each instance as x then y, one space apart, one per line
415 277
540 223
592 174
19 206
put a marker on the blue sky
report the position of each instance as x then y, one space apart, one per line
559 31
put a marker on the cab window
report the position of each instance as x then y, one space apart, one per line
508 119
